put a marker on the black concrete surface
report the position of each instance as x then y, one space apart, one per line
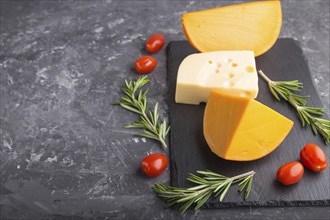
64 152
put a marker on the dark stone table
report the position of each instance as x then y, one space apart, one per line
64 152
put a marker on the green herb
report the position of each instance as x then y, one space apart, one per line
136 101
283 89
209 184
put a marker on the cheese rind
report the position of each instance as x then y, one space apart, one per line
231 72
240 129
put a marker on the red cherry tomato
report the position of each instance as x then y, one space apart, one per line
145 64
290 173
155 43
313 157
154 164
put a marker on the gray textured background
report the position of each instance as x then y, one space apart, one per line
63 149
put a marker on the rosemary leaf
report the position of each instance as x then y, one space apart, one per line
203 200
224 192
274 93
136 101
206 186
146 134
285 89
132 109
248 188
184 208
197 187
210 173
196 179
221 186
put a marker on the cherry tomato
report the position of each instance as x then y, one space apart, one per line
155 43
145 64
154 164
313 157
290 173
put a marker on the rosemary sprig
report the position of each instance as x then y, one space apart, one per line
209 184
136 101
283 89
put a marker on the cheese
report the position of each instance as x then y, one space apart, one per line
248 26
231 72
241 129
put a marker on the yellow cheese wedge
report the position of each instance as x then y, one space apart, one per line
248 26
241 129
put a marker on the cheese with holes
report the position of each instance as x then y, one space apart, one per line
240 129
230 72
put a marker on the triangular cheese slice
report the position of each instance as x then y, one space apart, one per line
241 129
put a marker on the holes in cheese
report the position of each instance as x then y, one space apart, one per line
201 73
246 94
249 69
226 60
241 129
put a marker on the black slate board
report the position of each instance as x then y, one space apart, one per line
189 151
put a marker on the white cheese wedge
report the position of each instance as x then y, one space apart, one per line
230 72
